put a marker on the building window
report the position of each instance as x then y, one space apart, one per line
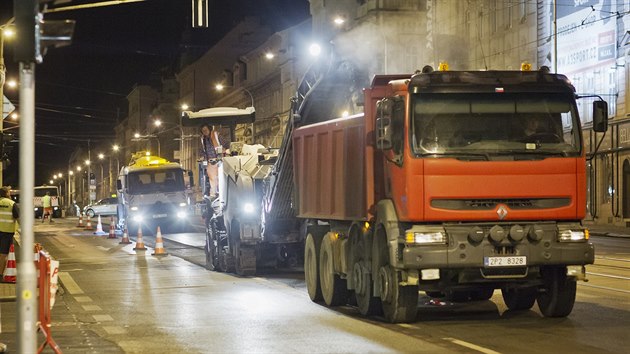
522 10
494 14
507 15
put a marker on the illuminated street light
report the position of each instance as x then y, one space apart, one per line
51 181
136 135
8 32
78 168
269 55
71 173
12 84
87 162
14 116
157 123
116 148
345 114
339 20
184 107
220 87
101 156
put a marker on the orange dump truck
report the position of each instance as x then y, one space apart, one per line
455 183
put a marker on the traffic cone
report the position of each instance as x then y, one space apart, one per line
80 224
10 272
112 228
139 242
88 224
159 245
99 228
125 238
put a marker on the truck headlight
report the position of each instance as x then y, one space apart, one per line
425 237
248 208
572 235
181 214
182 204
134 208
36 209
137 218
55 208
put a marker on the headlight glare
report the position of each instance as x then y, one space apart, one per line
134 208
425 237
248 208
137 218
572 235
182 204
181 214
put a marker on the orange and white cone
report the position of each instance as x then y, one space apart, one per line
10 272
125 238
139 242
88 224
159 245
80 224
112 228
99 228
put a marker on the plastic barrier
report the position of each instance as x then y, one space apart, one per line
46 299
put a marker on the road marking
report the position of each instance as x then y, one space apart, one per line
92 308
471 346
102 318
106 249
114 329
608 276
83 299
605 288
69 283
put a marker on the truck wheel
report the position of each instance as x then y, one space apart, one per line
334 290
519 299
400 303
558 295
212 250
311 266
367 303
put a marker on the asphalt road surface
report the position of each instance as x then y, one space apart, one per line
117 300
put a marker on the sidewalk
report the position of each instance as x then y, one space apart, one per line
608 230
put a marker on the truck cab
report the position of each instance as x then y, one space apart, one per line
152 193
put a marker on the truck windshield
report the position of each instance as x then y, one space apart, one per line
143 182
492 124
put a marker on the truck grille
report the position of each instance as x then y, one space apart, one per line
490 204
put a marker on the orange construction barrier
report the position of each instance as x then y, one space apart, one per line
159 244
80 224
88 225
10 272
44 302
125 237
112 228
139 242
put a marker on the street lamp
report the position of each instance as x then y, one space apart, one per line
7 32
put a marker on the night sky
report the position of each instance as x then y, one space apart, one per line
81 89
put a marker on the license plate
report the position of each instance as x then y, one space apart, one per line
157 216
513 261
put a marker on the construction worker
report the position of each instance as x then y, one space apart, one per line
47 205
9 214
213 147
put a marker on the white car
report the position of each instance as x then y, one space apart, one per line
104 207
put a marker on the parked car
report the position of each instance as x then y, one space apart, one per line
104 207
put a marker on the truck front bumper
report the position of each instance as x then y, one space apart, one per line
496 254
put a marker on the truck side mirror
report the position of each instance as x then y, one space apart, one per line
383 133
600 116
297 118
119 185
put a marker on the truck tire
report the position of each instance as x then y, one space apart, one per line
558 295
212 249
366 302
311 266
334 289
519 299
400 303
